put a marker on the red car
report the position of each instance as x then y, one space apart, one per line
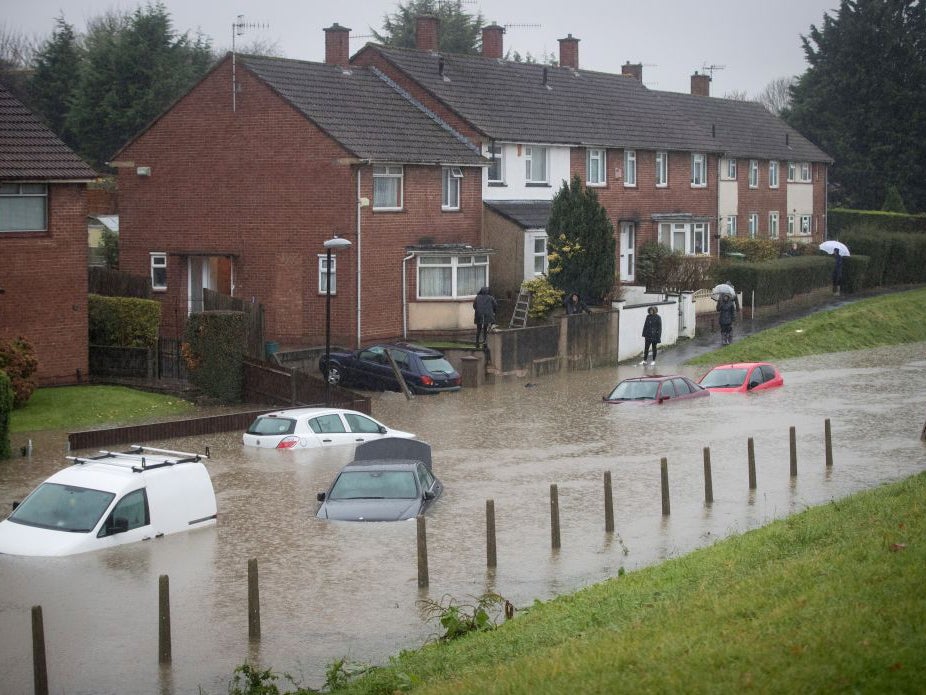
655 389
742 377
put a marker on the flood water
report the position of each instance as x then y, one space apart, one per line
331 590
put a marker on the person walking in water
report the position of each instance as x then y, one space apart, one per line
484 308
652 333
727 311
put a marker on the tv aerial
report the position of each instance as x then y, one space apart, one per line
238 28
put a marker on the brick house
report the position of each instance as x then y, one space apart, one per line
43 244
654 158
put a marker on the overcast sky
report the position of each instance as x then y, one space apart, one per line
756 41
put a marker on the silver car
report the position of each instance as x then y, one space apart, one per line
307 428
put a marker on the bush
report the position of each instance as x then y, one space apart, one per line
214 348
18 360
663 270
754 250
895 258
123 321
6 408
544 297
839 220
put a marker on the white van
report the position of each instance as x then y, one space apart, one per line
110 499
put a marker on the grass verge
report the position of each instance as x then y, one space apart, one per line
887 320
828 600
74 407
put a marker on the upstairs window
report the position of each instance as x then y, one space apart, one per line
799 171
450 194
698 170
596 166
630 167
728 169
387 187
753 173
159 272
496 168
773 174
535 164
23 207
662 169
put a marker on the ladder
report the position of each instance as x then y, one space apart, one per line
521 307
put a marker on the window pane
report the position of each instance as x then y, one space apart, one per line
470 279
435 282
385 193
22 213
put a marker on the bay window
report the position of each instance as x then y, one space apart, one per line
451 276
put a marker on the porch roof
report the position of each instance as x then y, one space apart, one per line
527 214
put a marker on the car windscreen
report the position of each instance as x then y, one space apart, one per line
723 378
272 425
63 508
634 390
437 364
360 484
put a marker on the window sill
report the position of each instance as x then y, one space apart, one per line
596 184
537 184
630 185
388 209
159 289
497 184
443 209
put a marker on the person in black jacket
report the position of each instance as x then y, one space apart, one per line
652 333
575 305
484 308
726 310
837 271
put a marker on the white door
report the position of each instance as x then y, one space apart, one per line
628 239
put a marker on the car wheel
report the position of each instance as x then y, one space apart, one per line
335 375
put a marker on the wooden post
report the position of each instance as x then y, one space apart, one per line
491 557
751 452
253 601
554 516
828 442
608 504
422 552
163 619
664 470
793 436
708 481
39 669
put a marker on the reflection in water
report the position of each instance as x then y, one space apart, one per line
331 590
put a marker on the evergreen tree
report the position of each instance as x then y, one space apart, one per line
581 242
862 99
457 31
53 83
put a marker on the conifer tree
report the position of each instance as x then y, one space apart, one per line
457 31
52 85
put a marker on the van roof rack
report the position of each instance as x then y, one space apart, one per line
140 458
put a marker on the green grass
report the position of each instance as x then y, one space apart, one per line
828 600
887 320
75 407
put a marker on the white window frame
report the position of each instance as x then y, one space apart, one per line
596 166
457 264
790 225
773 173
791 171
630 168
773 224
698 170
536 165
395 175
806 173
19 204
753 224
662 169
728 169
323 274
806 222
535 256
158 265
753 173
497 155
730 224
450 188
684 237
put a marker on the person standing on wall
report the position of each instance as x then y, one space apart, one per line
652 333
484 308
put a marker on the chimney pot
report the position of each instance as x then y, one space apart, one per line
569 52
634 70
337 51
492 41
426 33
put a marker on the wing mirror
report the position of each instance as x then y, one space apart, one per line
428 495
320 496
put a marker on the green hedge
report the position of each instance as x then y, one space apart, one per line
896 258
784 278
215 343
123 321
6 409
840 220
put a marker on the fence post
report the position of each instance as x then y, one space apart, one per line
751 452
828 441
422 552
491 558
664 474
39 668
608 504
253 601
554 515
793 438
163 619
708 481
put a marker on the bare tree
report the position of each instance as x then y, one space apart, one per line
738 95
776 96
16 49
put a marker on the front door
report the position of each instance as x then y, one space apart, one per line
628 240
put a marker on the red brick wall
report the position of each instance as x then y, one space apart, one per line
44 277
263 184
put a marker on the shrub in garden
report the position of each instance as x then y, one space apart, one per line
214 347
6 408
18 360
544 297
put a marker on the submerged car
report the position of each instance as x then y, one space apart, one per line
655 389
309 428
388 480
111 499
742 377
423 369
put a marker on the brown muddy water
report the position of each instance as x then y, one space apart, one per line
331 590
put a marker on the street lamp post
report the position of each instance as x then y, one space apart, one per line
333 243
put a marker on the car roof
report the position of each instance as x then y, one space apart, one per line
309 412
383 465
742 365
655 377
408 347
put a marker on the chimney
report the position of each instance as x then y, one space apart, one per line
701 85
492 41
569 52
336 48
634 70
426 33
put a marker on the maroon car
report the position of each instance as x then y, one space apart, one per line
655 389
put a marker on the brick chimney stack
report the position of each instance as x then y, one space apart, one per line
634 70
701 85
426 33
336 47
569 52
492 43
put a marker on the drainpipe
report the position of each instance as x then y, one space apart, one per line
361 203
405 297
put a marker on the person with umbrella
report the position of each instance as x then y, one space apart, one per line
837 271
727 312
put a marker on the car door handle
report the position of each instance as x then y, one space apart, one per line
326 441
359 439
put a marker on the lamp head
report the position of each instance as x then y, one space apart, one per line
337 243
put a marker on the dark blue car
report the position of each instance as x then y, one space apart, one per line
424 370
